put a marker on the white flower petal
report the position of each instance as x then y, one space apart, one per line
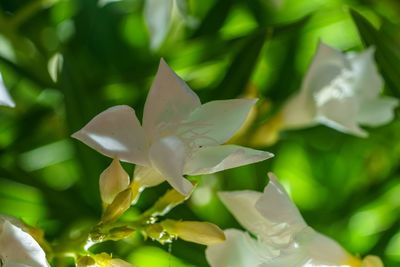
116 133
113 180
367 81
147 176
158 19
168 155
323 251
341 114
5 99
275 205
169 101
326 65
299 111
378 111
215 122
242 206
18 248
213 159
238 250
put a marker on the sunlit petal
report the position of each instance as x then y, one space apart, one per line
169 101
208 160
167 156
116 133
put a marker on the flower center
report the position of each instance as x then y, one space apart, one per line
338 88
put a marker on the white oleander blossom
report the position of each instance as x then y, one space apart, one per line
5 98
178 134
341 91
17 247
283 238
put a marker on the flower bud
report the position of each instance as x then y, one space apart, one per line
372 261
204 233
121 203
86 261
164 204
105 260
113 180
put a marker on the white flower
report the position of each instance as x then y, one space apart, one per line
179 135
5 99
17 247
282 236
159 16
340 91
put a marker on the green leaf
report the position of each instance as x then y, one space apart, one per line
241 69
387 52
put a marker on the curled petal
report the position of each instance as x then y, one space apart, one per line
215 122
167 156
116 133
169 101
213 159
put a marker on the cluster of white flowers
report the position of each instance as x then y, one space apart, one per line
180 136
282 236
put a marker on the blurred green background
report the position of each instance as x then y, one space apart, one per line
346 187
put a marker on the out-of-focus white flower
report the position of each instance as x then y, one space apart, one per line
283 237
17 247
159 16
179 135
5 99
340 91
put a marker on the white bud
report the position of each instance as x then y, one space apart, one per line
113 180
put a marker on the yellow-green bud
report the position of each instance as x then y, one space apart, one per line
112 181
204 233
